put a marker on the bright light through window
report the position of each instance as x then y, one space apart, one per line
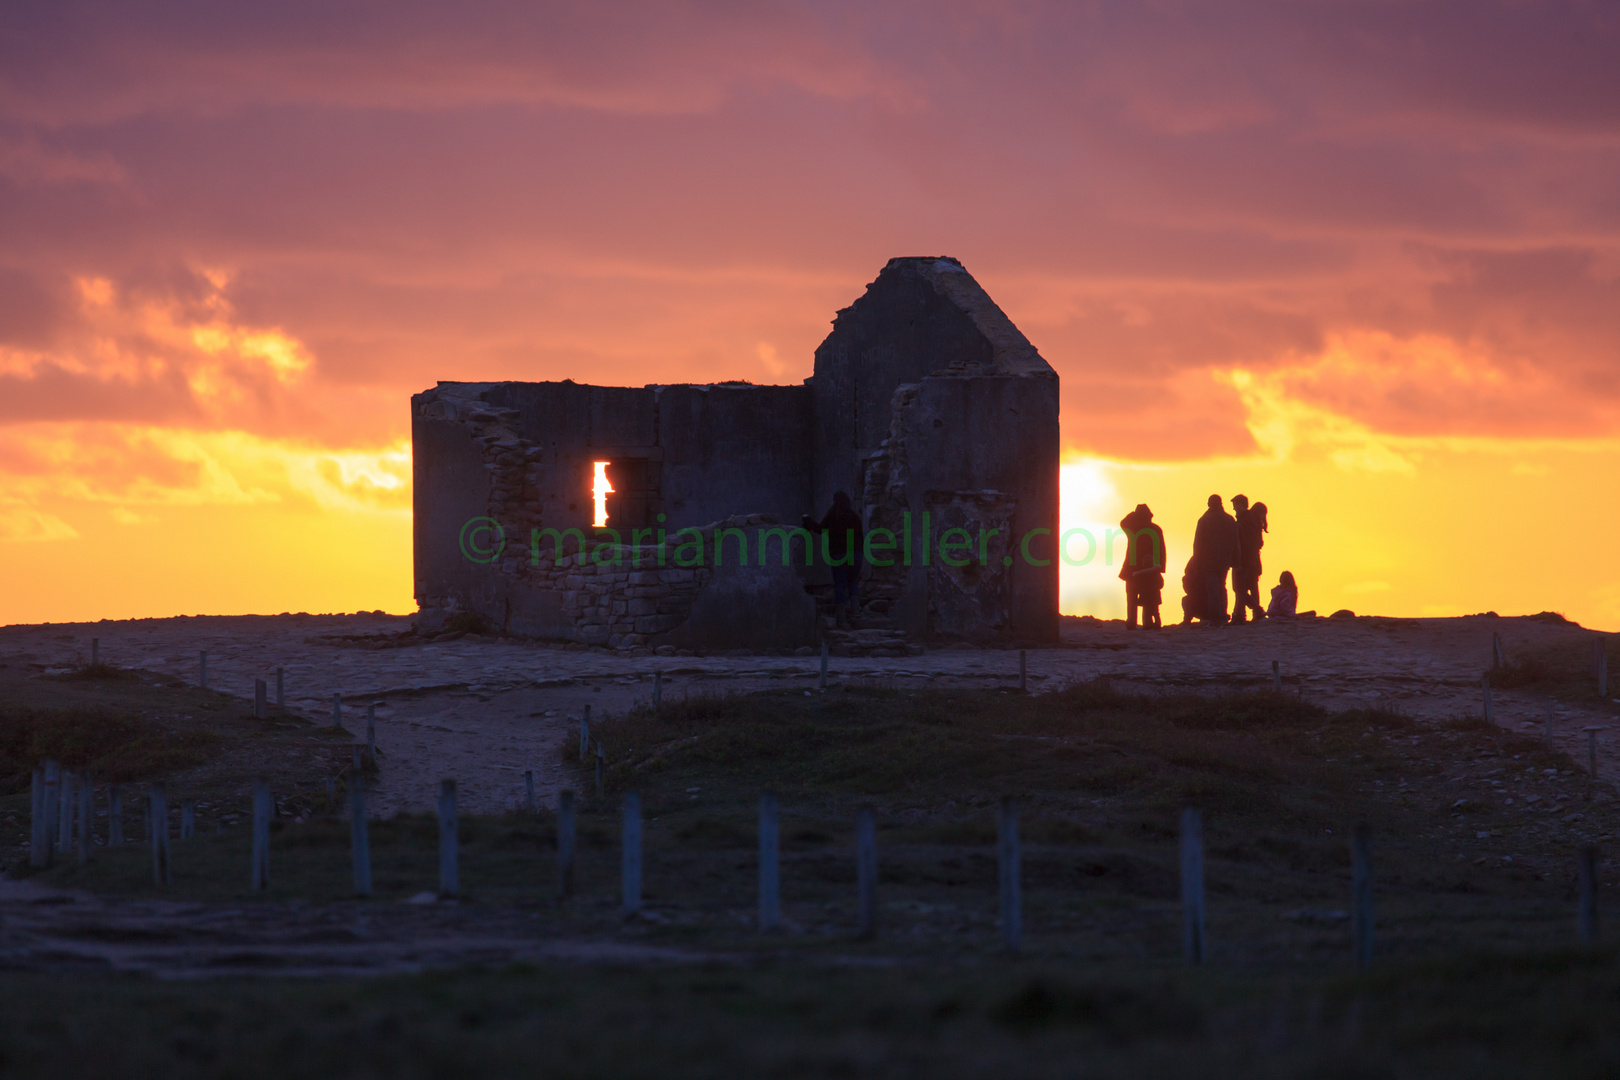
601 489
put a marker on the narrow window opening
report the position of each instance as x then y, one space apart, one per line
601 489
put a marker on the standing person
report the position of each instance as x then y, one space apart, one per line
1143 569
841 547
1215 548
1251 524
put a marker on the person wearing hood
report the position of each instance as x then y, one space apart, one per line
1143 568
1251 525
1215 549
1284 598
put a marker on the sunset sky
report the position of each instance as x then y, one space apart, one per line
1360 261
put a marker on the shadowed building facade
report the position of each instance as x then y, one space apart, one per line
927 406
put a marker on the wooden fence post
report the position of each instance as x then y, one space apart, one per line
866 870
449 840
630 854
53 805
157 817
359 838
37 844
1591 750
87 816
1498 653
565 843
261 705
115 816
1009 861
68 797
1192 886
1587 916
770 880
263 809
1361 905
1276 676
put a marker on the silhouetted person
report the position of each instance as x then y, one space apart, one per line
842 549
1284 598
1251 525
1143 569
1215 547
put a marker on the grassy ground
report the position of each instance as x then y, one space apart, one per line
1475 834
1473 1017
130 727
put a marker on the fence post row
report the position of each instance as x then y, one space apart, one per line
87 816
449 841
157 825
52 798
1192 886
565 843
1361 906
1587 914
359 839
630 862
866 870
1009 862
37 845
263 810
770 897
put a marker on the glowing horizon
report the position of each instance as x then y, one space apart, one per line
1353 262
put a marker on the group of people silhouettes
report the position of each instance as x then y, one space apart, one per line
1223 543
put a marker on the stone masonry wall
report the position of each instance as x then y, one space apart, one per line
620 596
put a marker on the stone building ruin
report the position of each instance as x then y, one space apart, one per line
927 406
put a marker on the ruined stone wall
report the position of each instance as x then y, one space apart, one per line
474 462
979 453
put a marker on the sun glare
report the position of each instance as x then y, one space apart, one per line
601 489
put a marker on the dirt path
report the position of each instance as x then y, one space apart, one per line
484 712
50 929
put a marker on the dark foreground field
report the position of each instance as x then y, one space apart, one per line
1475 834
